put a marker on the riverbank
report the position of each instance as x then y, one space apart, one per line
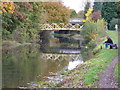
88 74
8 44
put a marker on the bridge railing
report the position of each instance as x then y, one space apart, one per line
61 26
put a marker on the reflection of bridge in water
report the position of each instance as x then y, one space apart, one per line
61 56
61 26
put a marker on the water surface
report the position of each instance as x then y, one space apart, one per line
26 64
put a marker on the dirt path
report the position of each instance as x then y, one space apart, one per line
107 79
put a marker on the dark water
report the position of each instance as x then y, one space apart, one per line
26 64
60 44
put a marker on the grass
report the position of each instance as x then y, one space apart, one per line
87 75
98 64
101 61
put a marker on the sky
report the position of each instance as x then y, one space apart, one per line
77 5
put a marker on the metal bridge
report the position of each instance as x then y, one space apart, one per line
61 26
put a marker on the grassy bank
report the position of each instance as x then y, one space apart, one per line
87 74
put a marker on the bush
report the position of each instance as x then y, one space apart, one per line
23 35
20 35
6 34
93 30
101 27
33 35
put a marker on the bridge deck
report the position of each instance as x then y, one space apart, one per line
61 26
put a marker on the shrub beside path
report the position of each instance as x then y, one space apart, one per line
107 79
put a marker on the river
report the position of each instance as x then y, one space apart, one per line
27 64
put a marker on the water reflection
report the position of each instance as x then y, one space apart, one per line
61 42
74 63
68 51
26 64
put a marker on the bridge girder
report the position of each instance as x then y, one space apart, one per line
61 26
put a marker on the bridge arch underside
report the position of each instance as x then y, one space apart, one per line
60 41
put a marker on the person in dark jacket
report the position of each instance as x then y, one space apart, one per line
108 42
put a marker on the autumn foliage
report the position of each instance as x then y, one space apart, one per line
96 15
56 12
88 15
7 7
19 7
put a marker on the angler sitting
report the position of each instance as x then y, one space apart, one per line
110 42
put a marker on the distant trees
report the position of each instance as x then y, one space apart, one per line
73 13
118 6
81 14
88 15
96 15
95 22
109 11
56 12
87 6
97 6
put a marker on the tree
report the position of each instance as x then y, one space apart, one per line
118 4
109 11
88 15
73 13
7 7
96 15
97 6
14 19
118 12
81 14
24 22
87 6
56 12
113 22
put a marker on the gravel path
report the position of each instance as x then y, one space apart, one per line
107 79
